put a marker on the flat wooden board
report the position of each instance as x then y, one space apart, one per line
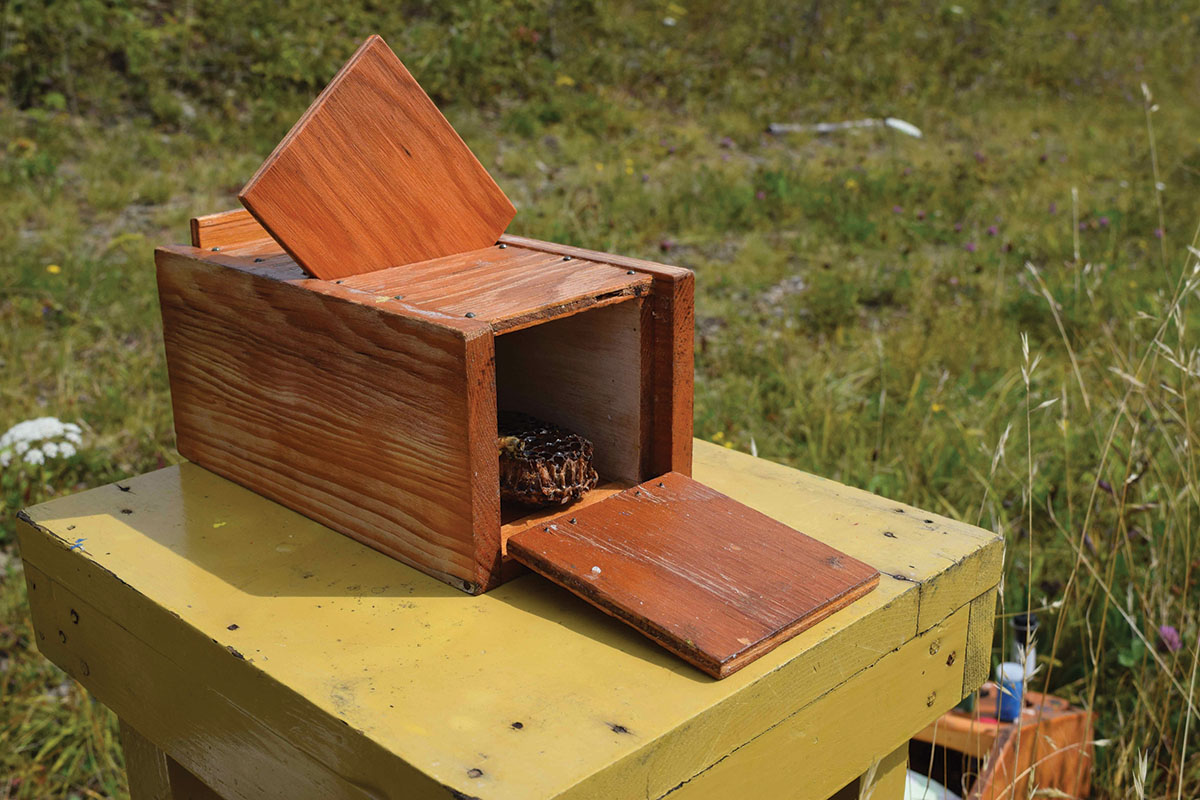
509 287
714 581
373 176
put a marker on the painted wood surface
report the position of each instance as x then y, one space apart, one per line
672 360
348 671
509 288
380 425
709 579
916 682
373 176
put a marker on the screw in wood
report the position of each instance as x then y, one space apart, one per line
398 297
502 246
629 272
471 314
566 258
259 260
215 249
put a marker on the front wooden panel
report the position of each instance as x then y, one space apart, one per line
376 424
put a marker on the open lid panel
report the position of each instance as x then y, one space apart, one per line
713 581
373 176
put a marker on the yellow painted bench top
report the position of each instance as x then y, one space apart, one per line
272 656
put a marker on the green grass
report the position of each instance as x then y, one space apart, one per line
861 296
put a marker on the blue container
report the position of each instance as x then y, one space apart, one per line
1010 679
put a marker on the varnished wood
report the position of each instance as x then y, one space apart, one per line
702 575
373 176
582 373
233 230
670 349
380 425
509 288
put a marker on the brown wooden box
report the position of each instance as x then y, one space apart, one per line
369 403
344 347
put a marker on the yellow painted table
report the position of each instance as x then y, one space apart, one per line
252 653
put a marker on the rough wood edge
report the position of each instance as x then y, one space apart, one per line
980 630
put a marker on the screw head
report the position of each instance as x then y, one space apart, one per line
502 246
398 297
215 249
471 315
629 272
259 260
566 258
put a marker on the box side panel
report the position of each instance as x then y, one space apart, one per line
355 417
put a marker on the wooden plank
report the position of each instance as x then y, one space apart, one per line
232 230
816 749
582 373
373 176
670 350
885 779
371 668
709 579
509 288
146 766
365 420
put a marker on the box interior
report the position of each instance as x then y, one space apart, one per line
583 373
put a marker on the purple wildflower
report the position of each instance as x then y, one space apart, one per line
1169 637
897 210
969 247
1053 208
907 171
1158 233
645 177
980 157
992 230
1103 222
1083 226
726 141
666 245
920 213
958 227
760 195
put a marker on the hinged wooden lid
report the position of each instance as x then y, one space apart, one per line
373 176
706 577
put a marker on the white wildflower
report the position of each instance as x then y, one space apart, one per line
37 440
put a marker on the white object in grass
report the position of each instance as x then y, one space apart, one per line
36 440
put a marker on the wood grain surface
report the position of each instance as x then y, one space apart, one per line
377 424
670 345
510 287
714 581
584 374
373 176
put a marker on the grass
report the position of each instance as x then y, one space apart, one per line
862 297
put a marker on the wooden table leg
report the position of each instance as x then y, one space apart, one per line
154 775
887 782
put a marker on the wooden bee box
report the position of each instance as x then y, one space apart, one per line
344 346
